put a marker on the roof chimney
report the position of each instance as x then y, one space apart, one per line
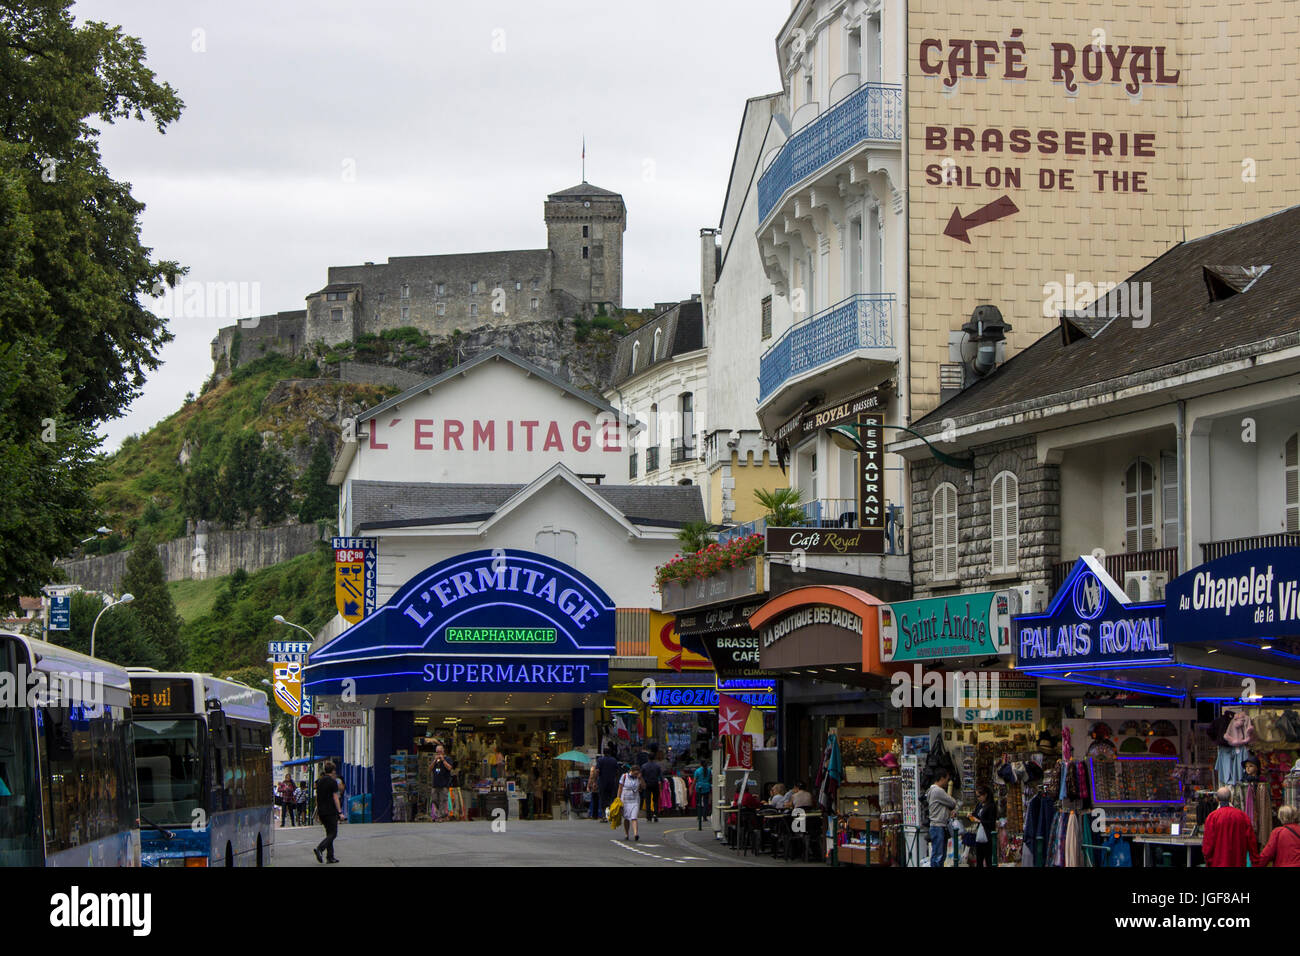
708 262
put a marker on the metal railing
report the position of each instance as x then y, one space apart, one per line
863 321
1157 559
873 111
651 459
679 451
631 465
1217 549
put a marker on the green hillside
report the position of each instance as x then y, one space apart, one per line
143 488
233 632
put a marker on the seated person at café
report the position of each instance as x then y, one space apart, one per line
779 799
748 798
800 797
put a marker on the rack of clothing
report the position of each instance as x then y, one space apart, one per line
1256 801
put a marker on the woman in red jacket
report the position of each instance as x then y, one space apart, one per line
1283 847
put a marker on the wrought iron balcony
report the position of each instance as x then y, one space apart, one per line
873 111
1157 559
1211 550
631 467
679 451
864 321
651 459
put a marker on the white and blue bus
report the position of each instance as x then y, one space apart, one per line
203 762
67 767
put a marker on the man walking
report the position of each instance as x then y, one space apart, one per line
608 772
1229 838
652 772
328 810
941 806
703 793
441 783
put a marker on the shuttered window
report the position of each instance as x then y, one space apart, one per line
765 322
1006 523
1168 499
1139 506
944 518
1292 483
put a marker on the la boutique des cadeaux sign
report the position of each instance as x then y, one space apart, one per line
490 621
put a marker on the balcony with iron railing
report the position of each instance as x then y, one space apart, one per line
652 459
830 513
872 112
680 451
1218 549
1162 560
860 322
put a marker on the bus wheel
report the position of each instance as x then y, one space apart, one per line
230 855
259 850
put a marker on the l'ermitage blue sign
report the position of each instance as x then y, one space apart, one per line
1251 594
1091 622
961 625
489 621
60 612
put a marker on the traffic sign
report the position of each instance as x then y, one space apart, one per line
308 725
60 612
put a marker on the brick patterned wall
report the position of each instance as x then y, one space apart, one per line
1040 516
1237 97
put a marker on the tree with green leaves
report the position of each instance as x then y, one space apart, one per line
695 536
119 638
237 486
274 486
199 487
782 506
153 607
319 499
76 339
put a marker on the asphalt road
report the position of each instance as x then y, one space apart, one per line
673 842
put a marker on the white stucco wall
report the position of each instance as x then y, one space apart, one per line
663 385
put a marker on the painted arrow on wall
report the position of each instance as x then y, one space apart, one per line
959 226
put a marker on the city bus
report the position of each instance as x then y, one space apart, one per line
67 766
203 763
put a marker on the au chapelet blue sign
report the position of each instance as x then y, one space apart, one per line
490 621
1252 594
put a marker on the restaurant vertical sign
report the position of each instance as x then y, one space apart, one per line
871 482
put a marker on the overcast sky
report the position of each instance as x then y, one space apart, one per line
335 132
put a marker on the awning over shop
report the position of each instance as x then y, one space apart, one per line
816 628
1250 595
487 621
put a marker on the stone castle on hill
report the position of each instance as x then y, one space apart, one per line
579 273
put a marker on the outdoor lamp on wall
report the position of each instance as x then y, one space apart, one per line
986 329
849 437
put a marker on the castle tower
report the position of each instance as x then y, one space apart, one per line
584 229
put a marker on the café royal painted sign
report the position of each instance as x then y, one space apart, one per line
1252 594
1090 622
491 621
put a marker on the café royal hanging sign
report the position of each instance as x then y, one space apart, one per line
1091 622
1251 594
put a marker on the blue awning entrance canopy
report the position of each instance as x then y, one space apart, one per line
488 621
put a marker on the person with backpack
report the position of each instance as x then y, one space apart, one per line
652 773
1283 847
703 793
607 774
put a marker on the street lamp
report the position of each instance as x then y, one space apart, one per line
279 619
849 437
124 599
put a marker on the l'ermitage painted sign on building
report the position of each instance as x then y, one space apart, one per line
1057 148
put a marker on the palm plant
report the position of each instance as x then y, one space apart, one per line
782 505
695 536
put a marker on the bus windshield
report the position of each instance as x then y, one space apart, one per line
169 768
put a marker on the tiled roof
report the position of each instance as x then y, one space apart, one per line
683 331
584 189
1196 311
386 503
